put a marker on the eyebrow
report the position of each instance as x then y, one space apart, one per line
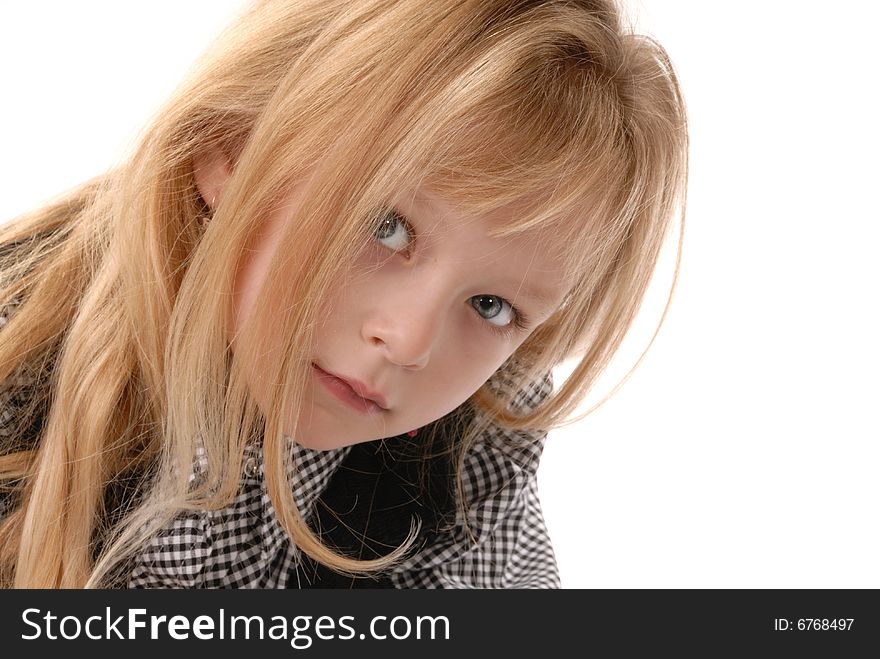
522 288
538 295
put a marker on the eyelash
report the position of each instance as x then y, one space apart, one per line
520 321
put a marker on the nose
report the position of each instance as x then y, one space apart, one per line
405 330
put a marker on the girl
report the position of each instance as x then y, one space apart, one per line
303 336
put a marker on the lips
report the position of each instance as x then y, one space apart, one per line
359 388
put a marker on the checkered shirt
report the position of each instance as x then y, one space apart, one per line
503 542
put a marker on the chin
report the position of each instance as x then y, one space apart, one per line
326 442
329 443
322 444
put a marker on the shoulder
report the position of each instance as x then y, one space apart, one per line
510 450
525 392
497 538
16 391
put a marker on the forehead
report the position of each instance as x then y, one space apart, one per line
531 259
543 241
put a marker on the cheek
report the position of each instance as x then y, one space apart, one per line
459 376
249 280
253 269
247 287
337 310
479 352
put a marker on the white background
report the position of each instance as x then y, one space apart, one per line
743 451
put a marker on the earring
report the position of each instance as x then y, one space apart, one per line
413 433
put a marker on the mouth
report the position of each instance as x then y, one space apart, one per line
345 393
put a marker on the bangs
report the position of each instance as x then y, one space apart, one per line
520 114
538 129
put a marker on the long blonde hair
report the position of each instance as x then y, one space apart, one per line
121 300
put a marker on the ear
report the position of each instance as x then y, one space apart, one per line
211 169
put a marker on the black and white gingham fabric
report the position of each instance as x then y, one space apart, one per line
503 543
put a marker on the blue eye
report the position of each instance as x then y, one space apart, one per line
393 231
494 309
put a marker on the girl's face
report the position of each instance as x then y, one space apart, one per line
429 311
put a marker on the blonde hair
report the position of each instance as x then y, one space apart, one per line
122 301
